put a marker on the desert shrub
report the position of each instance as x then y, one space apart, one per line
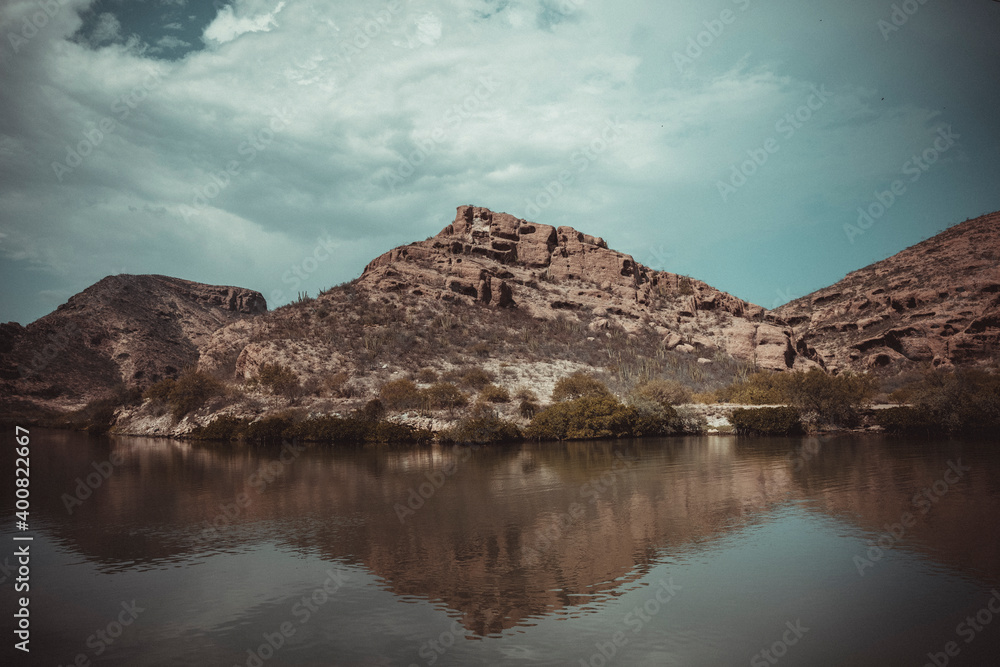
280 380
224 427
160 391
579 385
400 394
389 432
330 428
443 396
482 426
835 398
766 421
528 409
761 388
494 394
427 375
664 392
523 393
187 393
963 401
906 420
481 349
653 417
584 418
477 378
269 429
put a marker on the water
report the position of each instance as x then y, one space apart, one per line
677 551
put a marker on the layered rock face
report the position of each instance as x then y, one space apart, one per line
937 302
499 260
124 329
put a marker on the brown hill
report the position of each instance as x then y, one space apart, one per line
498 260
124 329
937 302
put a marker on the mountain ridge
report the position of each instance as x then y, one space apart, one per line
508 293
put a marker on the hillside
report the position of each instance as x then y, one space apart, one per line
123 330
494 299
937 302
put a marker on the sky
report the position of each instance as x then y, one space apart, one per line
767 147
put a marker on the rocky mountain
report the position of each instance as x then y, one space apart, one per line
498 260
526 302
124 329
937 302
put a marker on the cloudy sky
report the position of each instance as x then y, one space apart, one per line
281 144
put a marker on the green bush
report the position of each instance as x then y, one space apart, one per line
963 401
653 417
482 426
269 429
400 394
427 375
477 378
359 427
835 398
224 427
584 418
280 380
187 393
160 391
494 394
766 421
578 385
528 408
664 392
761 388
443 396
907 420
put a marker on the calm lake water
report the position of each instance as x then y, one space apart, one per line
676 551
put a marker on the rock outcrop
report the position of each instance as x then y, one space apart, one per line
499 260
124 329
937 302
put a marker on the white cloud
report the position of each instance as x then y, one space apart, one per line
108 29
171 42
236 20
173 26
